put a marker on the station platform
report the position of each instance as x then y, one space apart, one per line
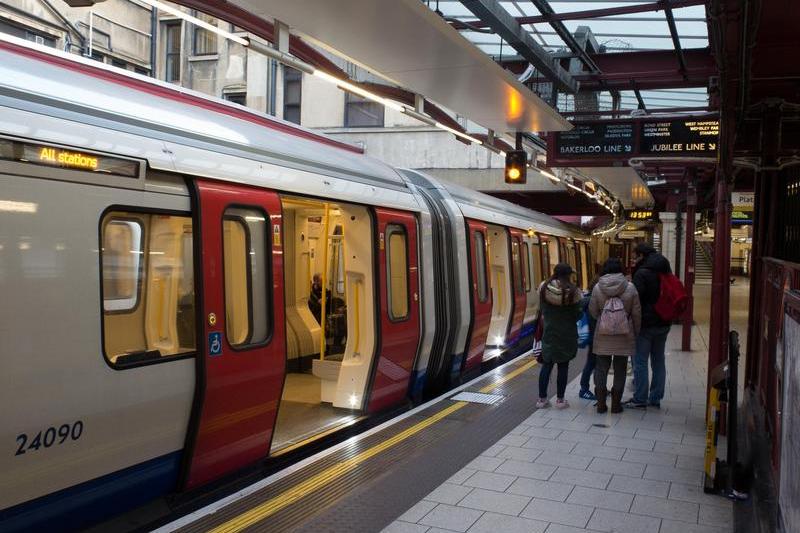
488 461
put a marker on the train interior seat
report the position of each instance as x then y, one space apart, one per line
317 395
500 272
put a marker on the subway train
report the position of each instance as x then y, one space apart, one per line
192 288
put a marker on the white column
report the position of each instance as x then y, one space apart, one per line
669 238
282 44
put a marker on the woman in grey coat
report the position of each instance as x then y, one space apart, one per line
613 345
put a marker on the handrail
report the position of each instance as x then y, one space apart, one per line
324 281
357 347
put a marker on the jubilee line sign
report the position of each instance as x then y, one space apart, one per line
614 142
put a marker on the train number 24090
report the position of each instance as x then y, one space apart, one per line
49 437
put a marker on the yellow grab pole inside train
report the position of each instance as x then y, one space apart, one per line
324 283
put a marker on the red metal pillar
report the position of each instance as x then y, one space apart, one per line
720 279
688 270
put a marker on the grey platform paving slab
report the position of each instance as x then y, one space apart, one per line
573 470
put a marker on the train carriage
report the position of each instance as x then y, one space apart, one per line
193 288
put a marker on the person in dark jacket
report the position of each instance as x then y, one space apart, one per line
652 339
559 299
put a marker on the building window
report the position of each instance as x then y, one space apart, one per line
362 113
246 272
292 93
119 64
172 47
236 97
147 267
204 42
397 272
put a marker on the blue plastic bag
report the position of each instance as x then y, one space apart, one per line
583 330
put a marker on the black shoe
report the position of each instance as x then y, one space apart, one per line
632 404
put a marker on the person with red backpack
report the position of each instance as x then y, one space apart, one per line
663 300
615 305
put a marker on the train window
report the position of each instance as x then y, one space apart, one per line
122 256
147 269
516 267
480 261
397 271
246 269
526 267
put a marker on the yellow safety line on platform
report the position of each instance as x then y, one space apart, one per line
273 505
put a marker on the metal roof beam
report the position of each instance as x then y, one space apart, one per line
640 99
544 7
497 18
595 13
676 41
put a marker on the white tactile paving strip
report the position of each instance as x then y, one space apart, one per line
573 470
477 397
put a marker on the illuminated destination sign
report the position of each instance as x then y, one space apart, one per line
616 142
640 214
596 139
679 136
53 156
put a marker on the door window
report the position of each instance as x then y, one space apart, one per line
516 266
480 266
246 267
526 267
397 271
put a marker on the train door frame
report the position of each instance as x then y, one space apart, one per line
399 339
518 295
481 315
217 449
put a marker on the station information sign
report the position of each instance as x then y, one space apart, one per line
597 139
640 214
679 136
55 156
615 142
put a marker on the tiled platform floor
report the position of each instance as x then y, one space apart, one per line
574 470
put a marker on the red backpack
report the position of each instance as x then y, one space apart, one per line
673 300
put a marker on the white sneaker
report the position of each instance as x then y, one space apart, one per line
562 404
543 403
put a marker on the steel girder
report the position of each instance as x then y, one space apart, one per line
506 26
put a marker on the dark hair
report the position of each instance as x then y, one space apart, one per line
562 272
644 249
612 266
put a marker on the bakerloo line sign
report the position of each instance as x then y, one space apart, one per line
597 142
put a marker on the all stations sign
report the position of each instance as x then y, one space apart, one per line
614 142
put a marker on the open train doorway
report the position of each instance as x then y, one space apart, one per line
330 327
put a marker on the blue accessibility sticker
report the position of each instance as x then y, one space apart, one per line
215 343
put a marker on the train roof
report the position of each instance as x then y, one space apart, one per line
70 86
486 208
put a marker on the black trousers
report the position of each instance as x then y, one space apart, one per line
561 380
601 371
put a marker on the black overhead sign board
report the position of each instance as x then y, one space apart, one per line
614 142
680 136
597 139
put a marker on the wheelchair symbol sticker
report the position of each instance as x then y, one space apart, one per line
215 343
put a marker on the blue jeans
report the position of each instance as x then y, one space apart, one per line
588 368
650 347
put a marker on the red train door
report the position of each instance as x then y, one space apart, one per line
242 337
398 286
481 295
517 286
